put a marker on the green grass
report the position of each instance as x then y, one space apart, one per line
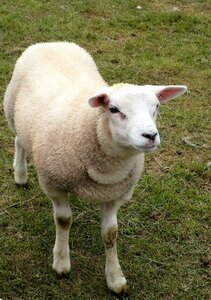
164 242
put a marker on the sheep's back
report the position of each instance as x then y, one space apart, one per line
52 77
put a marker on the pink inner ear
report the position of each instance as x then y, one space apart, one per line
99 100
168 94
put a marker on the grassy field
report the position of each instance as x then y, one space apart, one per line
164 242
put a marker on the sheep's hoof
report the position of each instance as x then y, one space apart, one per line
61 268
20 178
61 275
22 185
119 288
123 291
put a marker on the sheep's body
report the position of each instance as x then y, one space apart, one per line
94 153
53 76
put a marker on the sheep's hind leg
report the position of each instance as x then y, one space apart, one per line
20 165
109 229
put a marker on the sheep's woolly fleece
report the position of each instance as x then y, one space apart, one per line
70 143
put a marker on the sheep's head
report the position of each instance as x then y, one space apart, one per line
132 112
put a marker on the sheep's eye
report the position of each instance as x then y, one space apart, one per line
157 106
113 109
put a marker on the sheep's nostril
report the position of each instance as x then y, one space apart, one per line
150 136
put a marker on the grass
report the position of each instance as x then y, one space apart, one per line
164 241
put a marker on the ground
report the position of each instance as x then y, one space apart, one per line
163 233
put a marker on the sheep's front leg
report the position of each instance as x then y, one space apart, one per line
63 221
109 229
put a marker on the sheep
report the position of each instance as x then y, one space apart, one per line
85 138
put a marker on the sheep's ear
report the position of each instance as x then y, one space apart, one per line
99 100
166 93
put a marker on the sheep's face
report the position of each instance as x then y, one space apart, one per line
132 112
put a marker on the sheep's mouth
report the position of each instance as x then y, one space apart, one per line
145 148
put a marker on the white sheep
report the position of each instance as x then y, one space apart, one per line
85 137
